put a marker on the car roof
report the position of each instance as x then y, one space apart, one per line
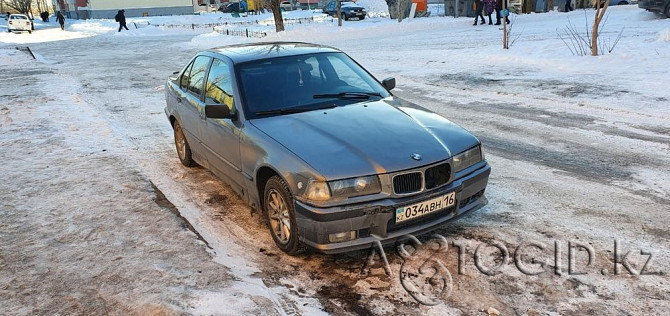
241 53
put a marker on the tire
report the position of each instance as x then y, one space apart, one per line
183 149
280 215
667 11
30 32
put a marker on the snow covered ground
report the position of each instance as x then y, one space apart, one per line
99 216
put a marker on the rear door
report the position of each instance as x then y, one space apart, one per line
190 104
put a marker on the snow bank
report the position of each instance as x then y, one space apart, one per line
214 39
95 26
374 8
13 57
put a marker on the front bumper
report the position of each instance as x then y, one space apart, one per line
375 220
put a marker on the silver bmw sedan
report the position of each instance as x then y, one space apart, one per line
325 151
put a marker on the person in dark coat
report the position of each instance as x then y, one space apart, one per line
498 13
61 20
490 7
568 5
479 8
121 18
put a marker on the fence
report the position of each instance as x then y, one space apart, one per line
233 28
265 22
239 32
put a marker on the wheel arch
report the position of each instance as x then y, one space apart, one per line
263 174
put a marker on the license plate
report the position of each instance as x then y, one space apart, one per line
424 208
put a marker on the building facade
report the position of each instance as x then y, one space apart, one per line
107 9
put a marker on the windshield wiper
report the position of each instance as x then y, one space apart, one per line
294 110
348 95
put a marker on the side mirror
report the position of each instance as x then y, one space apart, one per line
219 111
389 83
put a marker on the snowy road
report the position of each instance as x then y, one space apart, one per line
580 149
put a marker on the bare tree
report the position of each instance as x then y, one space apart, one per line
583 45
339 13
600 13
22 6
276 13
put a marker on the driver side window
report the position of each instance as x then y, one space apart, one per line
220 85
198 72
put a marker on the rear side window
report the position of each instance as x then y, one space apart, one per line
219 85
185 76
197 75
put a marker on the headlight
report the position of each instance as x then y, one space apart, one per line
317 191
355 186
467 158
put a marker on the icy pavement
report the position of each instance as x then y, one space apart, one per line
579 148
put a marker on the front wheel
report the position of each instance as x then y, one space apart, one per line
667 11
183 149
280 212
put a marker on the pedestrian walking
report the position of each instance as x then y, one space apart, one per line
490 7
121 18
478 5
499 12
61 20
568 5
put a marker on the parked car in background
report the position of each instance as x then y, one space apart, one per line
330 157
230 7
617 2
286 6
19 23
658 6
350 10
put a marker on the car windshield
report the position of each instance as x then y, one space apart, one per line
302 83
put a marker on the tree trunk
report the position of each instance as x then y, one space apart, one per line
401 10
339 13
600 13
504 23
276 13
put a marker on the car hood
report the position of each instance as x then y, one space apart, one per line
367 138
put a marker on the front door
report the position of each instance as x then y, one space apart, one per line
222 136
